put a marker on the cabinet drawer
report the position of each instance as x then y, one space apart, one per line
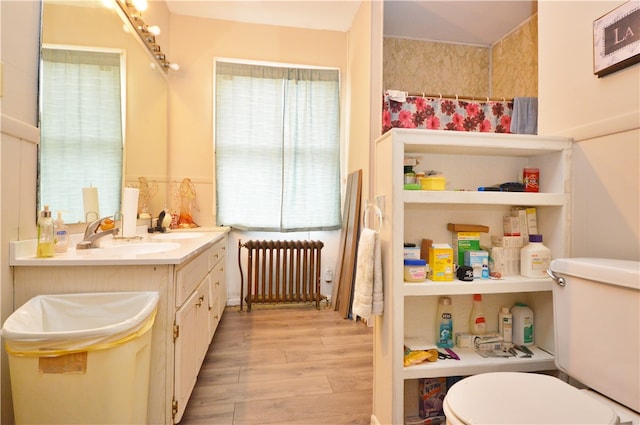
217 252
188 276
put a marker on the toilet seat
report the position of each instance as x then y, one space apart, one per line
522 398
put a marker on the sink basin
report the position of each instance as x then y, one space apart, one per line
176 235
139 248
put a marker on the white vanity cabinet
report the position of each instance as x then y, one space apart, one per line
468 161
199 301
189 284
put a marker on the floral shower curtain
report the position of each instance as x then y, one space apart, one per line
446 114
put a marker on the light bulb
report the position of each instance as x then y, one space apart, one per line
154 29
140 5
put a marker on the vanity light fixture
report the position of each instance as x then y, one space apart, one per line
129 11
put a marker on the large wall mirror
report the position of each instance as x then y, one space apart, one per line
89 24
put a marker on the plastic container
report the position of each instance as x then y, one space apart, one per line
415 270
531 179
505 324
523 324
535 258
46 236
81 358
444 323
433 183
61 234
477 321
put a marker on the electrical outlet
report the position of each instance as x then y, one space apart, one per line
328 274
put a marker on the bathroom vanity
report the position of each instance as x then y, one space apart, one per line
186 268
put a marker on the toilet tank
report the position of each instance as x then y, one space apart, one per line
597 325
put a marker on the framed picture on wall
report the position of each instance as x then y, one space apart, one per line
616 39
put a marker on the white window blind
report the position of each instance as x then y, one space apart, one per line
277 144
81 142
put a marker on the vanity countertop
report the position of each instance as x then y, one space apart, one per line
173 247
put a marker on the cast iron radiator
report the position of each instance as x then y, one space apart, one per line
281 272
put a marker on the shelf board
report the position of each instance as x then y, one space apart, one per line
472 363
477 143
480 198
508 284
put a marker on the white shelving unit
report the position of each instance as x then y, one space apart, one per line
468 160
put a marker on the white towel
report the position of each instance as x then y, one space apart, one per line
397 95
367 294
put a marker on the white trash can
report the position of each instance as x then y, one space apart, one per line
81 358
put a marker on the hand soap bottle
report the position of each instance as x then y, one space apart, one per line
46 236
62 235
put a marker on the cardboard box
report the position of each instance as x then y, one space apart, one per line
465 241
441 262
431 393
476 259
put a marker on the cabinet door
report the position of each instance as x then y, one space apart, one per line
191 344
218 295
186 366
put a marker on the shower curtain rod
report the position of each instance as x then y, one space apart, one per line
456 97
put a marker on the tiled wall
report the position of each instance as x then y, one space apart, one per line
515 62
431 67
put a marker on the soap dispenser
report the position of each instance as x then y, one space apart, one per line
46 236
62 235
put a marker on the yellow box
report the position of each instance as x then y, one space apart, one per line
441 262
433 183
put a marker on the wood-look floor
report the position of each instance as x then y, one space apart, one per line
285 366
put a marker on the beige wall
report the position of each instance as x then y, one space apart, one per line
194 44
514 62
603 117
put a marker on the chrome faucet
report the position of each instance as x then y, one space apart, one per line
93 234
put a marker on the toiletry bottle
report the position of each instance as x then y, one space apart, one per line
62 235
444 323
535 258
485 268
46 236
477 322
522 324
505 324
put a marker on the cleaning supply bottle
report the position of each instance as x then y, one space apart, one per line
444 323
505 324
522 324
477 322
46 236
62 234
535 258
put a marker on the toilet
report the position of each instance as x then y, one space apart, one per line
596 304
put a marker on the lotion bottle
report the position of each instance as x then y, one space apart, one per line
477 321
505 324
46 236
535 258
62 234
